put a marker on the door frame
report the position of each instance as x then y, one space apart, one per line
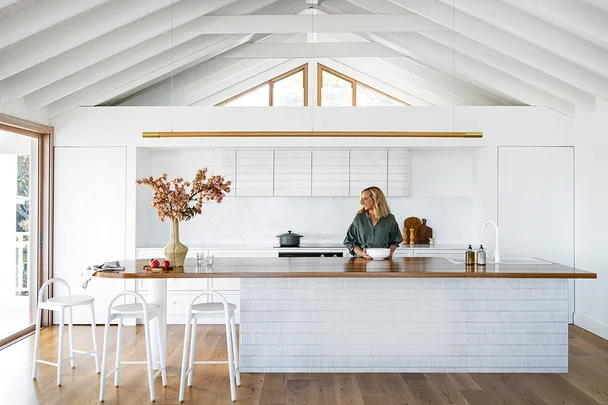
45 135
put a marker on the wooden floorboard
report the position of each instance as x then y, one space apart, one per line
585 384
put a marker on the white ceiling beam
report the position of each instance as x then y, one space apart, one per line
506 43
45 45
602 4
538 32
41 16
576 16
162 65
309 50
433 53
141 36
515 68
365 74
311 23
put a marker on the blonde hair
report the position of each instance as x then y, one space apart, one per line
381 208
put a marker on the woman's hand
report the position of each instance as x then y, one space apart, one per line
361 252
392 250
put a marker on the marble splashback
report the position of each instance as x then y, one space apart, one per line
319 219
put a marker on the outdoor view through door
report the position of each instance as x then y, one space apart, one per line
19 222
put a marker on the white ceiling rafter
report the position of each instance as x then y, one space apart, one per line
536 31
183 87
87 76
40 17
506 43
49 43
160 65
142 32
6 3
437 55
577 16
515 68
185 56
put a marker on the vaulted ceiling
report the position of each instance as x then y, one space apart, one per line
62 54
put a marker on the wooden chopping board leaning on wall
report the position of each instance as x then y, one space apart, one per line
422 232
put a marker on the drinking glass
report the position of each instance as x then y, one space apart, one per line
210 259
200 259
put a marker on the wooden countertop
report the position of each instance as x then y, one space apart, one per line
325 267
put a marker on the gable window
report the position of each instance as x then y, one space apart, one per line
288 89
337 89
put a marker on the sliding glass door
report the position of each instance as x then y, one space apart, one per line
19 230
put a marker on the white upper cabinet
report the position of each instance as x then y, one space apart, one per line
399 173
368 168
254 173
330 173
292 173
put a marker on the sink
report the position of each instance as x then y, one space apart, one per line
507 260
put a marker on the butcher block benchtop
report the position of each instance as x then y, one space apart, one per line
329 267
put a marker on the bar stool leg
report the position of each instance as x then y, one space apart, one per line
163 365
149 356
60 345
235 350
93 326
118 347
182 376
36 342
192 349
71 338
230 358
104 359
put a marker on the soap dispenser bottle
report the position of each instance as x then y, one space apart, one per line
481 256
470 256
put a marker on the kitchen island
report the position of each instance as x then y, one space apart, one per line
400 315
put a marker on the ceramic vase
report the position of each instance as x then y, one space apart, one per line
175 251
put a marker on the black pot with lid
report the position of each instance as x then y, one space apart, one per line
289 239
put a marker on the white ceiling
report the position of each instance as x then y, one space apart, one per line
63 54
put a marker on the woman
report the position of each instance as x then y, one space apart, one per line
374 226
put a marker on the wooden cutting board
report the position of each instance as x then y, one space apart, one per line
424 233
412 223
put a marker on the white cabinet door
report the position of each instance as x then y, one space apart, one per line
367 168
452 254
536 204
399 173
403 253
330 173
89 219
254 173
292 173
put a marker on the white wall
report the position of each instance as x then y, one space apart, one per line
591 202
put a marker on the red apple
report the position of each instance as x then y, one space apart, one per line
150 262
154 263
165 263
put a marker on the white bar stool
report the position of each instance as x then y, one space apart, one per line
60 303
201 310
138 310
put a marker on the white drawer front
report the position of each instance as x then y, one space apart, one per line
225 284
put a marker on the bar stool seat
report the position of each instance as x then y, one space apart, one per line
212 307
133 309
71 300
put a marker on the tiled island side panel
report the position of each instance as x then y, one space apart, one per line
404 325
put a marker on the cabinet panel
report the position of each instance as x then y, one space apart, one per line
254 173
367 168
330 173
90 220
452 254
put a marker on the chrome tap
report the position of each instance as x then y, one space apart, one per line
496 254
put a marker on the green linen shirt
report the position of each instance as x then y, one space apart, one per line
365 235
